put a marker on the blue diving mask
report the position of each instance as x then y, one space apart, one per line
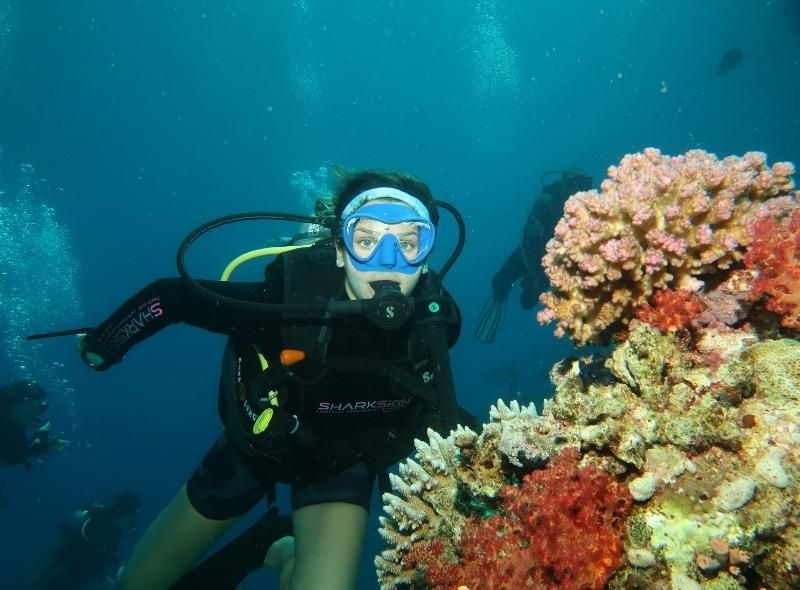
382 251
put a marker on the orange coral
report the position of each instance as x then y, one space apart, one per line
775 255
673 310
533 545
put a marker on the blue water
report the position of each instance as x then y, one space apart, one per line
146 118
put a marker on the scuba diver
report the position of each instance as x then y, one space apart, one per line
24 433
87 545
334 364
523 265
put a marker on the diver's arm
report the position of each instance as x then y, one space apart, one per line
171 301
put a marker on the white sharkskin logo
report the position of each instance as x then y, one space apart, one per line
382 406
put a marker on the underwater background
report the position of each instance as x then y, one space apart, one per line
126 124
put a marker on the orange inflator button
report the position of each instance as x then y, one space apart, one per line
290 356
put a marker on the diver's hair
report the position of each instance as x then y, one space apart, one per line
349 183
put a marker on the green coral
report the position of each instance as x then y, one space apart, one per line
643 362
776 369
722 581
639 531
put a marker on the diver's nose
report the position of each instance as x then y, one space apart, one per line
387 256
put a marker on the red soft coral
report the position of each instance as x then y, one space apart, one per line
562 529
672 310
775 255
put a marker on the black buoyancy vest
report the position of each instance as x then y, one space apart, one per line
310 276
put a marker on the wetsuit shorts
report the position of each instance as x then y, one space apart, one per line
228 484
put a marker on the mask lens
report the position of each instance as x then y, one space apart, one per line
388 237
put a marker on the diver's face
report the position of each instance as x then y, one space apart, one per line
366 236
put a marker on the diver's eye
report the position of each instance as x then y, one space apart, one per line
408 246
366 243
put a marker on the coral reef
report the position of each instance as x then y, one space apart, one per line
659 222
669 462
708 451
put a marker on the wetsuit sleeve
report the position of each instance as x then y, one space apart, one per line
173 301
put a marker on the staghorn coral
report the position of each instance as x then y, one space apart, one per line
659 222
711 455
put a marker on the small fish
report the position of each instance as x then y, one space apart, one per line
731 59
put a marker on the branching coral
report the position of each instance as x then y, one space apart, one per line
659 222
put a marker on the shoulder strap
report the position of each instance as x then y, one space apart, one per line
310 275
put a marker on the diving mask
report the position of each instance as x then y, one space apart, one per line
401 247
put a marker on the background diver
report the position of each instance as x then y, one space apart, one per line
523 265
24 433
87 545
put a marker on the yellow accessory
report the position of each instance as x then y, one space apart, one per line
263 420
259 253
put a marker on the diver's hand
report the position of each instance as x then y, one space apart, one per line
56 445
92 352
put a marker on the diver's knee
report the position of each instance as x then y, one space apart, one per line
279 553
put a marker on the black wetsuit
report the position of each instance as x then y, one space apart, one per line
361 421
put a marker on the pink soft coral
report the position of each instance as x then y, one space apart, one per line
775 255
535 543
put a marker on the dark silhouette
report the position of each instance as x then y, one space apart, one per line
730 61
523 265
87 545
24 433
